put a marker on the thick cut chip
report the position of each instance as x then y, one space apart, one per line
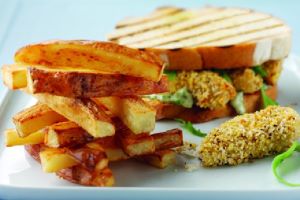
132 144
91 159
160 159
53 159
168 139
101 175
14 76
88 85
112 150
84 112
82 176
81 55
78 84
136 114
12 138
35 118
65 134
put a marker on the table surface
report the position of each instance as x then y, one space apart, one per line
27 21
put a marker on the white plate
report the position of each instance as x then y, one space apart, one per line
22 177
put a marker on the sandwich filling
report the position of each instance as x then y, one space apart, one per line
212 89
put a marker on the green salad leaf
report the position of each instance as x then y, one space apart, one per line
171 74
280 158
260 70
238 103
267 101
223 74
181 97
190 127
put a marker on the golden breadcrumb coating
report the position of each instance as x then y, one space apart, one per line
208 88
273 69
251 136
246 80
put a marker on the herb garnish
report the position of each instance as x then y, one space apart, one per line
280 158
171 74
260 70
223 74
267 101
190 127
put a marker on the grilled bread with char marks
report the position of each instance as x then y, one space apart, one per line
206 38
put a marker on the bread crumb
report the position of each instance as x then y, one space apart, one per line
251 136
246 80
208 88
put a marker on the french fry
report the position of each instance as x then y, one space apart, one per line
83 112
88 85
14 76
112 150
92 56
78 173
12 138
35 118
34 150
115 153
160 159
65 134
168 139
142 144
63 138
78 84
53 159
137 144
132 144
136 114
82 176
91 159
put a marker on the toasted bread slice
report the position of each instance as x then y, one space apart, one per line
101 57
208 38
136 114
83 112
156 14
252 103
88 85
